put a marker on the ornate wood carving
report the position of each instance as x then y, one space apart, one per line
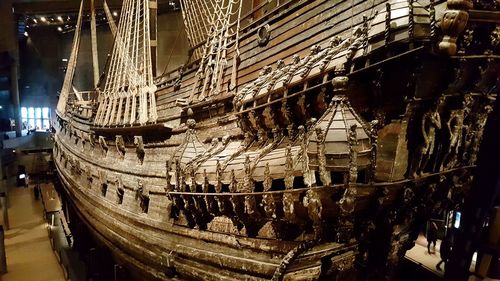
289 206
120 146
103 145
142 195
455 130
218 177
453 23
323 172
374 142
312 201
139 148
431 123
289 176
309 179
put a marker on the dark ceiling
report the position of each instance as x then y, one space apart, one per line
40 7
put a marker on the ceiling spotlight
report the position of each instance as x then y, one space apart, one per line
115 13
43 19
59 18
35 21
26 33
59 28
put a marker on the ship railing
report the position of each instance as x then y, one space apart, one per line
82 103
82 97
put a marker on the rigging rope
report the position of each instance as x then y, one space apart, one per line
214 60
129 90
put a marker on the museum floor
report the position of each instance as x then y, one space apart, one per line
28 250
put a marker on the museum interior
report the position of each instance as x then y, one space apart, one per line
249 140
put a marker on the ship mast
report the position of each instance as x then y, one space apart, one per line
153 19
93 36
70 72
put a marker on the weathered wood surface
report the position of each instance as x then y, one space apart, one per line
109 181
311 25
156 235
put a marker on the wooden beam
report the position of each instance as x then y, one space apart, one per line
484 16
159 131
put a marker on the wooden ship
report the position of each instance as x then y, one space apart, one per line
303 140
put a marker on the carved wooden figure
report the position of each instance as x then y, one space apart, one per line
120 146
455 129
431 122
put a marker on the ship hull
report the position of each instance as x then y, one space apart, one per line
230 186
143 246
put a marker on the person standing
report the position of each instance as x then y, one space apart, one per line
432 231
444 252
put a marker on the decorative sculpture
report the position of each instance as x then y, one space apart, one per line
120 146
312 201
323 172
453 23
104 145
455 127
139 148
431 122
289 176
